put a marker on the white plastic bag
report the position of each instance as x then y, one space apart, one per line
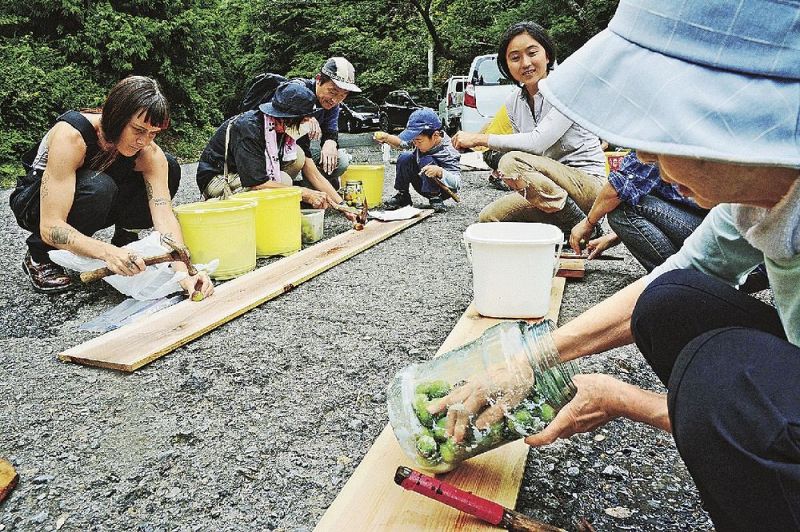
155 282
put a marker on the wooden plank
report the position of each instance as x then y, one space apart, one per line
573 268
8 478
135 345
372 501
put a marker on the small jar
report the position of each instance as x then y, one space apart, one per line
516 368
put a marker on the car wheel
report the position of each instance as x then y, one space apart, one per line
384 123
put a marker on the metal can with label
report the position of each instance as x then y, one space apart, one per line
354 194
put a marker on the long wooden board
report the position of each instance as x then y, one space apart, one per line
372 501
135 345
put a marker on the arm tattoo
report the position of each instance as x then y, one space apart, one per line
156 200
61 235
45 186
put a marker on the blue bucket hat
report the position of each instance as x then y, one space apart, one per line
711 79
292 99
424 119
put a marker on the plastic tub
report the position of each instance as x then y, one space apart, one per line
312 225
513 265
277 220
223 230
371 177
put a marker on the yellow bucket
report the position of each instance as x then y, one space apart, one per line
224 230
371 177
278 220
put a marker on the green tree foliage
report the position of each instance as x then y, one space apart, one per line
64 54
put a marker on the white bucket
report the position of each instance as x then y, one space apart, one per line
513 265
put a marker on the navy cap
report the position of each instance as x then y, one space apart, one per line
424 119
292 99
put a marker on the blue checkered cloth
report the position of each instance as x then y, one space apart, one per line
635 179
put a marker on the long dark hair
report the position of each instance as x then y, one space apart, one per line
534 30
129 97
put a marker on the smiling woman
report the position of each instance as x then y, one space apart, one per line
556 166
97 168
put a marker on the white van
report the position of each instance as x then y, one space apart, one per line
451 102
485 93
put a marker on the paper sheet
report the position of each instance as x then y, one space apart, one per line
406 213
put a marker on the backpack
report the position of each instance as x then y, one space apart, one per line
262 88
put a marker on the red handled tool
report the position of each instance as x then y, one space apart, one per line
483 509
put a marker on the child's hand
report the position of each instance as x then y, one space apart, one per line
432 170
380 136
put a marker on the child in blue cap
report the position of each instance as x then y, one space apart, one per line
432 158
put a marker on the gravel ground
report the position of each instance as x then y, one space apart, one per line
258 424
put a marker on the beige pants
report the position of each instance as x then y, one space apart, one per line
549 184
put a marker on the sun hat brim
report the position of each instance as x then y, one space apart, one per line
634 97
271 110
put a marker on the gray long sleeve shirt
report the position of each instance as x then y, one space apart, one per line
545 131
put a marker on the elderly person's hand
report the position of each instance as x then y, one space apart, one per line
329 157
590 408
484 399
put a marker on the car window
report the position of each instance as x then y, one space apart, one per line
459 86
487 73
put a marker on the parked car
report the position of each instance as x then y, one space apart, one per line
485 92
358 113
451 102
399 105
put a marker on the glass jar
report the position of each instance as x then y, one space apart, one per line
512 370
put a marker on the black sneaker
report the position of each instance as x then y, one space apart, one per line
437 204
47 277
401 199
497 182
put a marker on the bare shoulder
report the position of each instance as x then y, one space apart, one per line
65 146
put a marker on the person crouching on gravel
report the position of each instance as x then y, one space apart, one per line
432 159
97 168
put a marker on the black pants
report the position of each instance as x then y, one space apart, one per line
734 396
101 200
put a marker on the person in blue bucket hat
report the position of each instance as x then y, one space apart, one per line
261 150
710 91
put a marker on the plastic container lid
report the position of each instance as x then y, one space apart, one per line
513 233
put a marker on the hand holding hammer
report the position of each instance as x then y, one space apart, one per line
177 253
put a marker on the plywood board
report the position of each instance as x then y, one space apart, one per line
571 268
135 345
372 501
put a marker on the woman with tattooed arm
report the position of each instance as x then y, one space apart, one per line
94 169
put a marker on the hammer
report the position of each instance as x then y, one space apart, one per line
447 190
178 253
361 214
